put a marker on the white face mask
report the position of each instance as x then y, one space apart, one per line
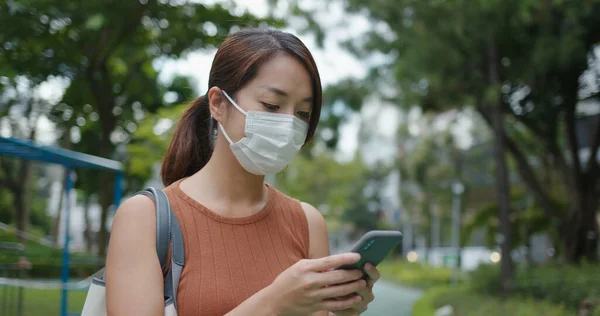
271 143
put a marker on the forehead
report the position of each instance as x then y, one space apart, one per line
285 73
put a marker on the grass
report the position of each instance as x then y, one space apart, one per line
415 275
47 302
425 306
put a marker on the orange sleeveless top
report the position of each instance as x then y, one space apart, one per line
227 260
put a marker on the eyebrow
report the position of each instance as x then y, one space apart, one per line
283 93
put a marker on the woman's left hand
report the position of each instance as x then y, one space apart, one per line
366 293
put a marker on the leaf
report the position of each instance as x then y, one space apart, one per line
95 22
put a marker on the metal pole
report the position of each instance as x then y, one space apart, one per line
118 190
435 229
407 240
457 190
65 263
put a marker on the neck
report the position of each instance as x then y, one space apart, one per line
228 180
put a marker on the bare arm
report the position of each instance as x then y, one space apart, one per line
318 238
134 281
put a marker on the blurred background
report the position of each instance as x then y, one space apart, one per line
470 126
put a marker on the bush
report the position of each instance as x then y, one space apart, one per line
46 262
53 270
466 302
569 285
415 274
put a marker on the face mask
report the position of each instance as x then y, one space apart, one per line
271 143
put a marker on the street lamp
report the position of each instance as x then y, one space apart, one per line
457 190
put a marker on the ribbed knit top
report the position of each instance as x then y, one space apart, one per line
228 259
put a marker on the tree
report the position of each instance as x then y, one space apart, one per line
346 192
23 108
106 49
494 56
427 164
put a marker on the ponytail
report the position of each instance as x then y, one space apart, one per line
191 146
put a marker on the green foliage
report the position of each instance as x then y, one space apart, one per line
338 189
526 220
416 275
38 217
560 284
46 261
427 164
467 302
107 51
53 270
149 143
6 206
425 306
339 100
321 181
452 54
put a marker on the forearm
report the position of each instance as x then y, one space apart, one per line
260 303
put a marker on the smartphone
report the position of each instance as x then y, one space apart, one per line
373 247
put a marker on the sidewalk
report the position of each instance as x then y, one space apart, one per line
392 300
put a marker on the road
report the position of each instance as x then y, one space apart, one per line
392 300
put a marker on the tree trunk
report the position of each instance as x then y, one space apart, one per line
581 230
106 197
526 173
502 181
22 197
581 240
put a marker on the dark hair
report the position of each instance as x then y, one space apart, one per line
236 62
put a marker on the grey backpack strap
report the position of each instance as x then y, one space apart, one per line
177 258
163 223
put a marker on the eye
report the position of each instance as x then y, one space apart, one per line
304 114
270 107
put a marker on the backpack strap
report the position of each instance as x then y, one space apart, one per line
167 231
163 223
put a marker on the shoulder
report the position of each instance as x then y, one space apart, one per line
312 224
317 231
138 209
314 218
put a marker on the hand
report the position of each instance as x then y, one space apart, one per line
366 294
311 285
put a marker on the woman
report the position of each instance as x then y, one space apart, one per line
249 249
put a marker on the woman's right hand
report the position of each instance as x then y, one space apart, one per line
312 285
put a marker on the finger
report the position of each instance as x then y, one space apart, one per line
339 305
338 291
372 274
330 262
338 277
366 294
